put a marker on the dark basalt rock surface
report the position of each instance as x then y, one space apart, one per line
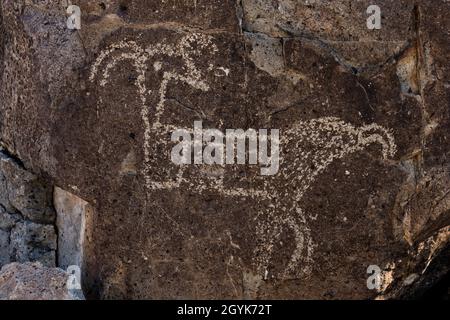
364 125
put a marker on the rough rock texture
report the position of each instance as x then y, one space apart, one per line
32 281
27 232
364 119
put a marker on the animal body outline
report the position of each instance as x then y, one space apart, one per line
328 139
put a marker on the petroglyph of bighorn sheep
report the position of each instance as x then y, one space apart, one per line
307 148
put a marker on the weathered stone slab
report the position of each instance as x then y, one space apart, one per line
26 215
74 225
24 192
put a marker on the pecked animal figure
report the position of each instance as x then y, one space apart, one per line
307 149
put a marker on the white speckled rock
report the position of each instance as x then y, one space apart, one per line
32 281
